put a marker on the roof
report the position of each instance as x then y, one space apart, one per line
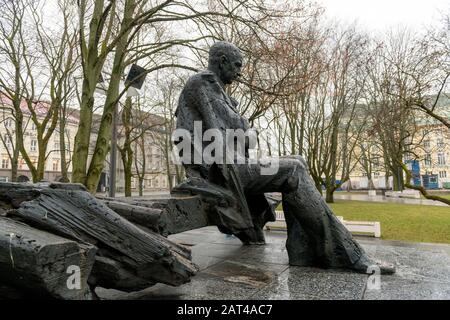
41 108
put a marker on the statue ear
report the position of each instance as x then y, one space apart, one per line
223 60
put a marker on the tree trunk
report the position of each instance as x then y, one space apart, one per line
179 173
14 169
140 166
40 167
128 175
141 186
169 173
62 148
397 178
329 196
15 159
126 152
91 74
371 184
104 133
317 183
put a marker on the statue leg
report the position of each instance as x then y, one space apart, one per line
315 236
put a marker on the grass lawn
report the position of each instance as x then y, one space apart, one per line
404 222
443 194
400 221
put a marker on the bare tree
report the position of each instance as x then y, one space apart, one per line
11 82
419 72
429 70
336 120
137 124
42 62
107 30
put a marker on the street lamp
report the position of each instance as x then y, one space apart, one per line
134 80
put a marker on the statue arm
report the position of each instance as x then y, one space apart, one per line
206 109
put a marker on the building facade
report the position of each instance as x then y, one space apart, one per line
156 177
431 167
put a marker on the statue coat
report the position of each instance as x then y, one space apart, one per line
234 212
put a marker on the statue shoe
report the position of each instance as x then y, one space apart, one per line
366 265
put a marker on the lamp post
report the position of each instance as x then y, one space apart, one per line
113 156
135 80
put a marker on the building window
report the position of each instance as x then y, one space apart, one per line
56 165
442 174
441 159
428 159
376 161
426 143
5 163
56 146
8 141
440 143
33 145
33 126
8 123
21 164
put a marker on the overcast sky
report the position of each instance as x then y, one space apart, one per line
379 15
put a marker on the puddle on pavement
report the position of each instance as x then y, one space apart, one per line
241 273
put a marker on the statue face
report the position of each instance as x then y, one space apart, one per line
230 67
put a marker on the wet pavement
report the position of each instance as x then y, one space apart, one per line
230 271
364 197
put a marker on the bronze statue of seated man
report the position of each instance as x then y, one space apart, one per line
235 192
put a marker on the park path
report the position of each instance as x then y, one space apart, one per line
363 197
337 195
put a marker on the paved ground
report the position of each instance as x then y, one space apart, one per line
232 271
364 197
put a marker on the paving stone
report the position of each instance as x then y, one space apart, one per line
393 288
279 294
218 250
230 270
323 284
257 275
204 287
204 262
417 264
268 255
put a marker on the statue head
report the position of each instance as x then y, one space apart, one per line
225 60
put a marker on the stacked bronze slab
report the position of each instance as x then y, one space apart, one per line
49 232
